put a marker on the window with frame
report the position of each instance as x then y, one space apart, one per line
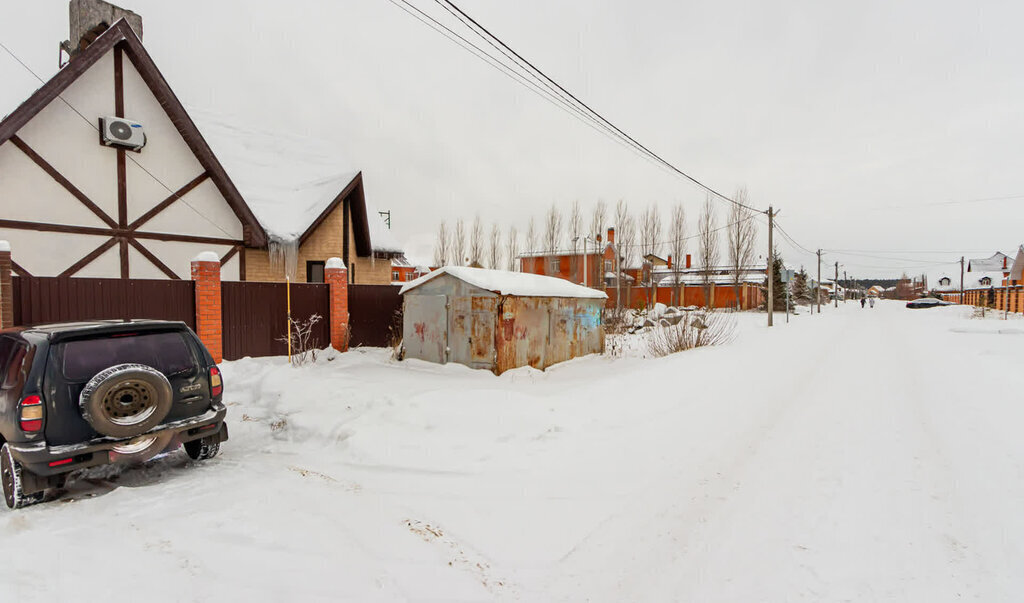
315 271
554 265
607 265
396 275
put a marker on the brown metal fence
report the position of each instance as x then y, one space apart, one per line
255 316
375 312
39 300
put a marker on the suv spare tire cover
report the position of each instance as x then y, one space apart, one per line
126 400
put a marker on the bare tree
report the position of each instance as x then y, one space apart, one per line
598 219
676 248
575 232
512 247
742 232
598 223
650 235
707 247
650 231
552 229
459 243
476 242
625 241
494 251
531 237
442 246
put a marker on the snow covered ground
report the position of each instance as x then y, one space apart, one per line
860 455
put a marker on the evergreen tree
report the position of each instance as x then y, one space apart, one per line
778 288
800 291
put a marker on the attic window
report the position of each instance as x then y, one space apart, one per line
986 281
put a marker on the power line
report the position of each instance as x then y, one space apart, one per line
495 63
481 30
129 157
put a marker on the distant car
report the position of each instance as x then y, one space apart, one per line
77 395
927 302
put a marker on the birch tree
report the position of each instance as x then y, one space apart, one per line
707 246
494 250
676 247
459 243
742 232
442 246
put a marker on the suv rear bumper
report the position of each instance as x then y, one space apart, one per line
37 457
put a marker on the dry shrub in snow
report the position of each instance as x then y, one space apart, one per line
617 320
695 331
304 345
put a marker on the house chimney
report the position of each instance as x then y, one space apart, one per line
611 236
90 18
687 260
670 261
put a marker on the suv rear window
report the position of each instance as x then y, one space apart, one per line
166 352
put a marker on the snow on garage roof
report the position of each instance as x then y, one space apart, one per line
287 180
511 283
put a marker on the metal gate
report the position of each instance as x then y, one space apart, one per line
375 315
255 316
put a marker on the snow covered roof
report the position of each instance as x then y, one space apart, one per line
511 283
286 179
989 264
972 280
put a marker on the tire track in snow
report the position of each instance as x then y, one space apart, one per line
677 508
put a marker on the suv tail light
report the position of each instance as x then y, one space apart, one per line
31 414
216 385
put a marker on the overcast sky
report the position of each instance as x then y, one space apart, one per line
870 124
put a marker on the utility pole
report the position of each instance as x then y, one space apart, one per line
771 264
961 280
836 289
847 281
818 288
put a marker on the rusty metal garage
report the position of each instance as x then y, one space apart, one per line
497 320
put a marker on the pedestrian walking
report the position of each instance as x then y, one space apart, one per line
862 302
872 301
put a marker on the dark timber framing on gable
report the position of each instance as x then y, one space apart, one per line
122 41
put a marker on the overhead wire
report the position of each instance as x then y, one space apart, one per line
482 31
495 63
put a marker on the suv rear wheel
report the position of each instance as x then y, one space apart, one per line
203 448
11 474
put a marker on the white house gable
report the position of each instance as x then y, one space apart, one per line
72 206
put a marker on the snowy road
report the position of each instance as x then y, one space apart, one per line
861 455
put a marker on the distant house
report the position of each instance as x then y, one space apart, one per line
997 261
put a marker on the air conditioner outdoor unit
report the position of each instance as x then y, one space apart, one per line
120 132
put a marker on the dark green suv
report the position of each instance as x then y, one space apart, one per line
76 395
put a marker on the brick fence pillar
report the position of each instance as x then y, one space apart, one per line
336 276
206 274
6 287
